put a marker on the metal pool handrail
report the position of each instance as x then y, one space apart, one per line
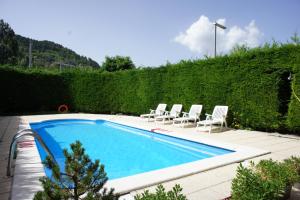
19 134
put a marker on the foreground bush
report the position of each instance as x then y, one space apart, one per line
82 178
267 180
161 194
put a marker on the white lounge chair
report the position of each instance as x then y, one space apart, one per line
217 117
169 115
193 115
154 113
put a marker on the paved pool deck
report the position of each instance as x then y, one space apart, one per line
210 184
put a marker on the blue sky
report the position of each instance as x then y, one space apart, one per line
152 32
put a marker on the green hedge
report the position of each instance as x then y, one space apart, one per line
31 91
254 86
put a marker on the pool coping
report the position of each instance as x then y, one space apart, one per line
142 180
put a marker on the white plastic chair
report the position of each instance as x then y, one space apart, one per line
154 113
169 115
193 115
217 117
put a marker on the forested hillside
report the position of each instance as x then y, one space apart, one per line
47 53
14 50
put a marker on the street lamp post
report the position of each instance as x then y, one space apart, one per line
222 27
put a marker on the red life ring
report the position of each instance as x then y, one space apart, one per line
63 108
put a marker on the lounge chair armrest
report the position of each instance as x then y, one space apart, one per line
177 114
152 111
167 112
208 116
185 114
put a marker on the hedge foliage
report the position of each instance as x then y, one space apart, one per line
254 85
31 91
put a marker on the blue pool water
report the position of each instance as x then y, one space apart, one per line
122 149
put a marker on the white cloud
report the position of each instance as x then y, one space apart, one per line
199 37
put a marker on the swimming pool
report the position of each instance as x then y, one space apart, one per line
124 150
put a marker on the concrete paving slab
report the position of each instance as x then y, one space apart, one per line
223 189
205 194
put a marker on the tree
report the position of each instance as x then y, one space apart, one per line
82 178
8 44
117 63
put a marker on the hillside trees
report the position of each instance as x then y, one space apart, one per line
14 51
8 44
49 54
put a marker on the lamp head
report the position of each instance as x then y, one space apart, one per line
220 25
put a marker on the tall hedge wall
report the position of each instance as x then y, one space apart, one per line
23 91
254 86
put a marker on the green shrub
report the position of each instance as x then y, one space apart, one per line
266 180
161 194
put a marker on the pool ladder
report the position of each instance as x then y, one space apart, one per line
12 149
